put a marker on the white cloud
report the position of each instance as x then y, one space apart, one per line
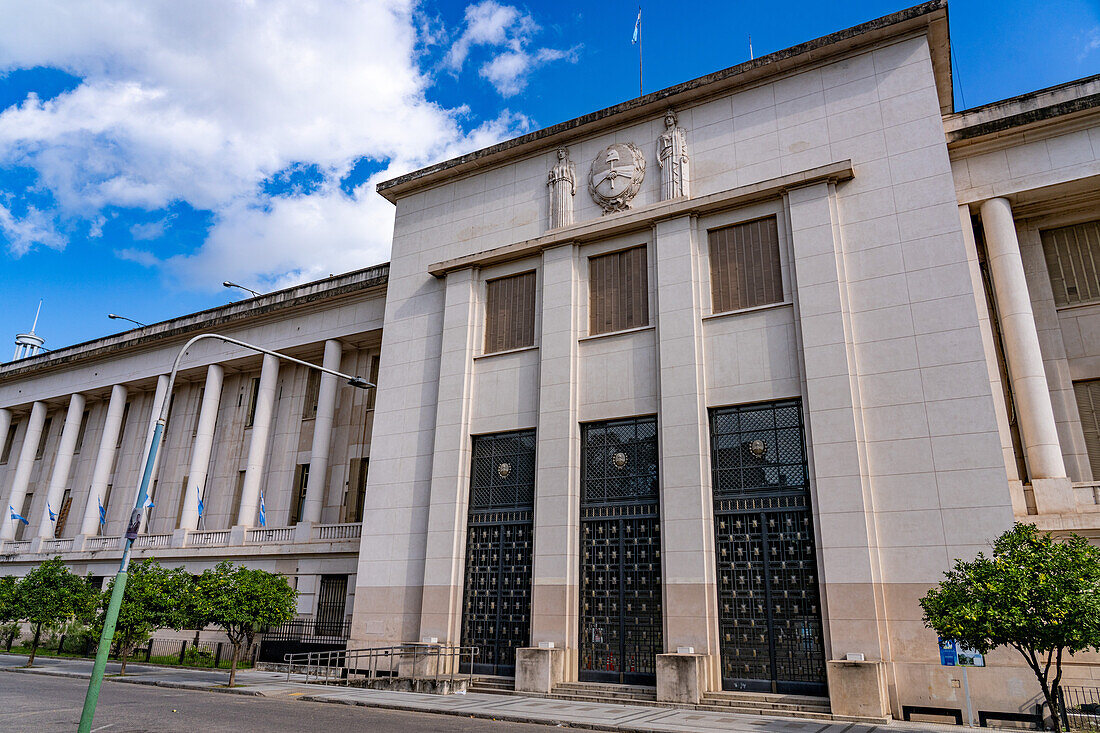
1091 43
202 101
508 32
32 229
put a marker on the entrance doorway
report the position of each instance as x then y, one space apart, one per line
769 610
496 615
620 553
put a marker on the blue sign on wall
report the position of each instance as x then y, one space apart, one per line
949 655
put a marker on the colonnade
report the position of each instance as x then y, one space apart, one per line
263 422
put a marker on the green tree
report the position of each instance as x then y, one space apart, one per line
242 601
155 598
52 594
10 613
1036 594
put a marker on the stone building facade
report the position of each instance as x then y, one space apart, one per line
702 391
725 439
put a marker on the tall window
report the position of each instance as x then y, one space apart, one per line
298 500
183 500
618 291
122 425
1073 260
9 441
510 312
28 499
238 492
332 599
253 394
744 265
357 491
80 433
1088 404
313 392
63 513
373 379
41 450
198 412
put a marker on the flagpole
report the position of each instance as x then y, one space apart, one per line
640 92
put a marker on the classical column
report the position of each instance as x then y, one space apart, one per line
200 451
5 425
1053 492
257 446
322 434
555 570
104 460
159 396
441 612
61 464
23 468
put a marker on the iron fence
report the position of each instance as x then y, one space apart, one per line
1081 708
414 661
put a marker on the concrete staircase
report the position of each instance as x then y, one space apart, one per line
743 703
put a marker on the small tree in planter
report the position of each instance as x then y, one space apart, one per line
1036 594
52 594
242 601
9 610
155 598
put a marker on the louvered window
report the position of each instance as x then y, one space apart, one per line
619 291
510 313
1088 404
1073 260
744 265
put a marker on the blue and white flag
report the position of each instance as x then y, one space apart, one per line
148 502
102 511
202 507
53 514
263 510
17 515
637 26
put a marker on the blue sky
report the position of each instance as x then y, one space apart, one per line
149 151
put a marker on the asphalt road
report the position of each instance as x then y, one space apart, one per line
34 703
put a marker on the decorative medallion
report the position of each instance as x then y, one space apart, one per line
504 470
619 459
616 176
758 448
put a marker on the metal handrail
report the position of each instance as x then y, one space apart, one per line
428 661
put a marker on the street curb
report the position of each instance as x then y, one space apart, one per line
197 687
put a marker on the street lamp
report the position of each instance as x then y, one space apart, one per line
105 639
116 317
229 284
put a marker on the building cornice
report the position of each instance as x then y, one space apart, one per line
298 296
929 18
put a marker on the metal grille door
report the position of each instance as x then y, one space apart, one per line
621 553
497 595
768 598
331 603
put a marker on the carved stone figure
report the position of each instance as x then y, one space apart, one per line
672 157
562 183
616 176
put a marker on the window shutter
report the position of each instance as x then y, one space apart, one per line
744 265
619 291
1073 261
1088 405
510 313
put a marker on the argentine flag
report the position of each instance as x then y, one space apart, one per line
17 515
148 502
263 510
102 511
637 26
202 507
53 514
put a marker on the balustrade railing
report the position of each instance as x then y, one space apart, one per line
93 544
57 545
1088 495
205 538
337 531
266 535
16 546
153 540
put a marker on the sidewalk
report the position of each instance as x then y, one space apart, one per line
594 716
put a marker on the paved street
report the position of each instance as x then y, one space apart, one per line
31 703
